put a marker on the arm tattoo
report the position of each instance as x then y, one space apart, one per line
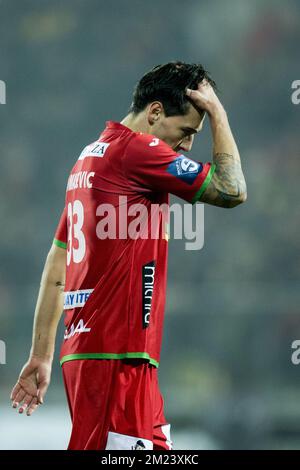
228 184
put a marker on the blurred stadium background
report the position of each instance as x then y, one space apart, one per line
233 307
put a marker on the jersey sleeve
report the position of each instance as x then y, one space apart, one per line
151 165
60 237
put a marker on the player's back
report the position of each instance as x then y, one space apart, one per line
115 226
98 201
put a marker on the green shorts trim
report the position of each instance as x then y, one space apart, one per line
138 355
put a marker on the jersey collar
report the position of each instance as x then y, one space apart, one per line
117 126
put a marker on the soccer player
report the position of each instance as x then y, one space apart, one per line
111 284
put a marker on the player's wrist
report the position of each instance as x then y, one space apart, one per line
41 356
217 112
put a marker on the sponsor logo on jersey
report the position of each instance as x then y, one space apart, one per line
148 273
154 142
116 441
139 445
76 298
185 169
79 328
96 149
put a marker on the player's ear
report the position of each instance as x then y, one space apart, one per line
155 111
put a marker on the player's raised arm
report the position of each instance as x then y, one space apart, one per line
34 378
227 187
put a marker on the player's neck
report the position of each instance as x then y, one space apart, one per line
136 123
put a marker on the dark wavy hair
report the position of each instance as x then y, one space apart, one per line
167 83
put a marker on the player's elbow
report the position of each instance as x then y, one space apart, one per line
230 201
243 197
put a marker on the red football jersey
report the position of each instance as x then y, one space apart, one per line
116 241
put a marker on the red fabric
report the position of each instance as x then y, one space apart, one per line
113 395
144 169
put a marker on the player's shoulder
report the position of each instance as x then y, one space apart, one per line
149 143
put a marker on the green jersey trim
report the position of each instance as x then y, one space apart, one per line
60 244
204 184
137 355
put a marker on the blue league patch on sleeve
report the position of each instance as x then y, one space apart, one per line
185 169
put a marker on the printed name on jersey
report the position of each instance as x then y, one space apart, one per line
79 328
185 169
96 149
76 298
148 273
82 179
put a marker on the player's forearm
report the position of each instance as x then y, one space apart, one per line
49 308
229 178
223 140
